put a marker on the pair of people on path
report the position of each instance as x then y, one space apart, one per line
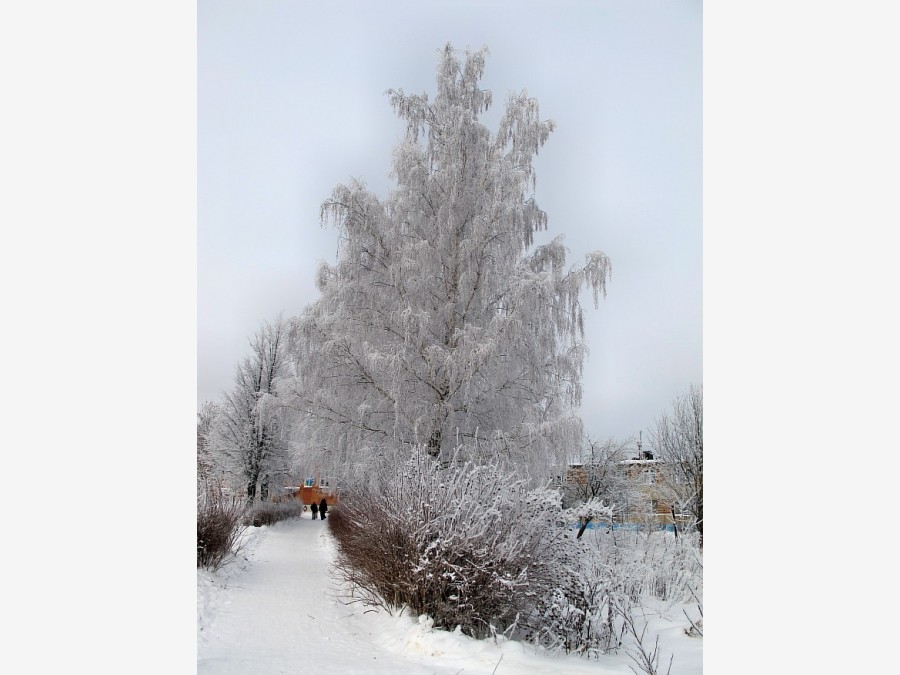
321 507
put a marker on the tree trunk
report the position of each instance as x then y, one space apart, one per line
584 526
434 444
251 491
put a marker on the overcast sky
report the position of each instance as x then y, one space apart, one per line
291 102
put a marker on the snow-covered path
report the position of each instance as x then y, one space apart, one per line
283 613
279 610
266 621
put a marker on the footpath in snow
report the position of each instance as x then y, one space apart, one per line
278 609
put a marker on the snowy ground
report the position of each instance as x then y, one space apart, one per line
277 609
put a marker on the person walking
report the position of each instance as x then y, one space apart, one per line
315 510
323 507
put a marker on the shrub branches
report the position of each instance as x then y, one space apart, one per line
269 513
469 545
219 524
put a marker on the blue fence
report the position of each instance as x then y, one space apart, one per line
633 527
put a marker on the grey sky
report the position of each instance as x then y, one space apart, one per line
291 102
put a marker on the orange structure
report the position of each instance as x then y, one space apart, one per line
313 491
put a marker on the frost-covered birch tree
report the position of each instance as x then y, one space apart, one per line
441 324
248 432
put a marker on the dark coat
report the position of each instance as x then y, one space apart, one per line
323 506
314 507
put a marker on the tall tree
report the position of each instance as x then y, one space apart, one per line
678 441
248 432
206 460
441 324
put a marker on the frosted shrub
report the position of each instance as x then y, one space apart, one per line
468 544
471 546
656 565
576 615
268 513
602 578
219 524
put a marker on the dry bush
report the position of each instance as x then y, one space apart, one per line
603 579
639 650
269 513
655 565
467 544
471 546
577 615
219 524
